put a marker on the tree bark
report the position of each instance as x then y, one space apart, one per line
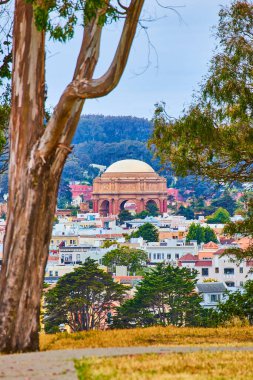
37 157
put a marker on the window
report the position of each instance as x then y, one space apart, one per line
168 256
205 271
50 273
149 256
177 256
216 270
241 269
215 297
229 271
154 256
163 256
56 273
68 258
241 283
74 241
230 284
158 256
78 257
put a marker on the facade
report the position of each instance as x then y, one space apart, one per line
219 268
212 293
128 181
169 250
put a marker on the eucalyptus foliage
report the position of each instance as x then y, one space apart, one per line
59 17
214 137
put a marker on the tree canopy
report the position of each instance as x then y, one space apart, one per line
133 259
187 212
124 215
214 137
226 202
165 296
82 298
237 305
147 231
201 234
219 216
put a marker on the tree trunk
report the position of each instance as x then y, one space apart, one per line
32 193
37 157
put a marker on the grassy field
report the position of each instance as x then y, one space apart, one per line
187 366
149 336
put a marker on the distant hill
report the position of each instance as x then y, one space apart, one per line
111 129
105 139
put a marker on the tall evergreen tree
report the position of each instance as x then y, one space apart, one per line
165 296
82 298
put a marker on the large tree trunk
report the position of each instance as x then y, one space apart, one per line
21 271
37 157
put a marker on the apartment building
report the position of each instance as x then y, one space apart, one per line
219 268
169 250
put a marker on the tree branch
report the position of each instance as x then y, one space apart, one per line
94 88
62 124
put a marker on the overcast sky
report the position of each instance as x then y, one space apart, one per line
182 49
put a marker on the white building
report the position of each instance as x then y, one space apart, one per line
212 293
169 250
220 268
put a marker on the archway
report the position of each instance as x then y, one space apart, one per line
129 205
104 208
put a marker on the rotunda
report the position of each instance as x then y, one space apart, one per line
128 181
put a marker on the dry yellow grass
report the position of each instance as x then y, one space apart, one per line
149 336
187 366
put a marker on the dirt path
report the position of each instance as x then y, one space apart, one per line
58 365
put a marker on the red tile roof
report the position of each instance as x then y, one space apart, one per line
203 263
210 245
188 257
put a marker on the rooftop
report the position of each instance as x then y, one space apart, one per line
211 287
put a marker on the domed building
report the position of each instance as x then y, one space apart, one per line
131 181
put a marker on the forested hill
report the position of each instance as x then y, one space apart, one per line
105 139
110 129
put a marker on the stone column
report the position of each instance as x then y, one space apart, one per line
110 206
161 205
116 207
95 205
165 207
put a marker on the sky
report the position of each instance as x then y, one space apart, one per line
168 69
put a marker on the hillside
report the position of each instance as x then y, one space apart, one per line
110 129
105 139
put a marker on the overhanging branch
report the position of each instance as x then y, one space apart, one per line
94 88
62 123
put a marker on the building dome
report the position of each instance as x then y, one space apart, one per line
130 166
